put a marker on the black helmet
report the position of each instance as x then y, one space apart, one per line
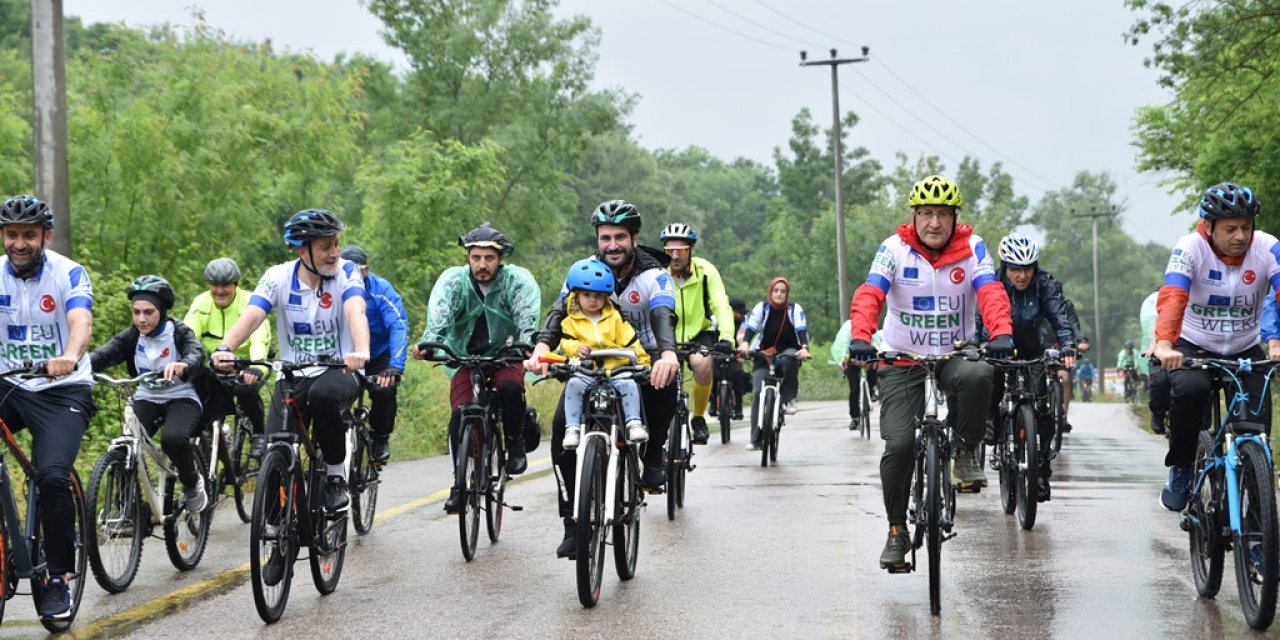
617 212
355 254
1228 200
738 305
222 271
26 210
154 289
309 224
486 236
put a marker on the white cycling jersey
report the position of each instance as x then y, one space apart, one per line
154 352
309 322
649 289
1224 302
34 312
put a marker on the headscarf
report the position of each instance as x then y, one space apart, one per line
768 293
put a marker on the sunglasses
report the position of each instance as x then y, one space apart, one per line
682 251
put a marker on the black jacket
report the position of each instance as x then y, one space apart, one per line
121 347
1043 300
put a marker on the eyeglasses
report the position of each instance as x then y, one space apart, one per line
940 215
679 251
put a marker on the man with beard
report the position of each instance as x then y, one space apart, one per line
47 302
644 292
319 300
474 309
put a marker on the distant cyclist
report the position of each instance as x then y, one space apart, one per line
776 326
1127 361
700 295
740 379
389 345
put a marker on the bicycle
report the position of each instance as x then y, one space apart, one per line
1232 503
1057 394
23 555
288 502
770 416
679 453
933 496
727 394
134 487
480 464
863 422
242 468
1017 452
363 472
1130 385
607 476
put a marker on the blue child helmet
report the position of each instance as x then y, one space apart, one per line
590 274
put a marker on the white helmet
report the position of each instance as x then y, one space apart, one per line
1017 249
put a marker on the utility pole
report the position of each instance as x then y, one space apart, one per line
49 117
834 63
1093 216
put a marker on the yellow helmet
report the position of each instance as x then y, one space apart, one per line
935 190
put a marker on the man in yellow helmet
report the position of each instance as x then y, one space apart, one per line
932 274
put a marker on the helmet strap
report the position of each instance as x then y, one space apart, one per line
309 265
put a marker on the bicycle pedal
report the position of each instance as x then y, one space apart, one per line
905 567
654 491
513 507
948 536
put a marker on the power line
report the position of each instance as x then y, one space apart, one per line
821 33
757 24
724 28
895 123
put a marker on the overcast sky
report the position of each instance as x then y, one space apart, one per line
1048 89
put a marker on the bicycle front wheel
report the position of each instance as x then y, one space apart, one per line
589 538
675 466
626 515
328 546
725 411
1056 411
495 496
273 529
933 519
864 420
243 468
766 425
186 533
1207 550
364 484
1257 547
1028 449
470 479
115 548
1006 453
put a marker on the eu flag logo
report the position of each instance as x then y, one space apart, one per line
923 303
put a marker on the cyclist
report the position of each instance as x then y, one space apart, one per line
642 289
1127 361
700 295
594 322
740 379
211 314
156 342
319 304
1210 305
1158 401
475 309
1034 297
929 273
1085 373
777 326
1067 376
47 300
852 371
389 345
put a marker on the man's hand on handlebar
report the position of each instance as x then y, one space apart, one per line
535 365
61 365
355 360
665 369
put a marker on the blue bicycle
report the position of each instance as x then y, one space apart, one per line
1233 501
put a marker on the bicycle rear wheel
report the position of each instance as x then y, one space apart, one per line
364 483
626 516
470 479
244 469
496 491
725 411
273 530
186 533
1257 546
933 519
589 538
1028 450
1207 550
864 420
115 548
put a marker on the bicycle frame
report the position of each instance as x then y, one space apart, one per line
772 388
22 553
603 402
138 449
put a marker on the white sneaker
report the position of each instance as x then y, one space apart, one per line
195 498
636 431
751 446
789 408
572 435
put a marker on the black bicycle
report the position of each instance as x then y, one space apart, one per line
288 503
933 496
679 452
237 432
727 394
480 462
363 472
21 537
1131 384
1057 394
1017 452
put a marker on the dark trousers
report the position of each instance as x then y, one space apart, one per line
322 400
853 374
1044 421
178 422
218 396
508 382
383 404
738 378
1160 389
659 409
788 389
1189 396
57 419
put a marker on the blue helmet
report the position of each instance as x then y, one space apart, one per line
309 224
590 274
1228 200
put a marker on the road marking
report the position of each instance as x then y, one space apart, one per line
130 620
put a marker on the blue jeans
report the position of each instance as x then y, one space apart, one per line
576 388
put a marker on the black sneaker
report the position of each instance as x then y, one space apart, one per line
517 462
380 448
454 503
568 548
700 431
1066 427
257 443
654 477
1042 489
894 556
273 571
55 598
335 494
713 412
1157 423
737 413
990 435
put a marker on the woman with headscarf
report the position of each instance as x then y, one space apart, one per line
775 326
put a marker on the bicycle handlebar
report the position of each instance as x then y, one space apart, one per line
28 369
510 353
138 380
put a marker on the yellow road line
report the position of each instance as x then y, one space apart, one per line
130 619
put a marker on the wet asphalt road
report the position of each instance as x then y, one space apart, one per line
788 551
